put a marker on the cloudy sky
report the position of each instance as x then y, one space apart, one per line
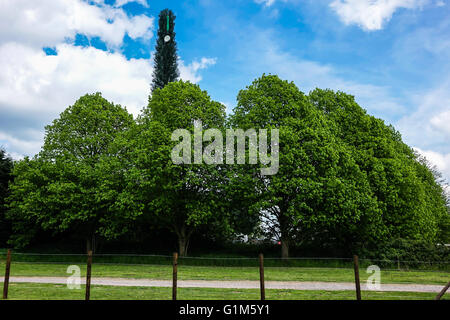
392 55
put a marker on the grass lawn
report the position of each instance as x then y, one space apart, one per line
28 291
164 272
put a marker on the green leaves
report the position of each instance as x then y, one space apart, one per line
74 182
345 180
345 177
84 131
409 201
182 197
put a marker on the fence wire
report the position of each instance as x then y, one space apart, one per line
208 268
227 261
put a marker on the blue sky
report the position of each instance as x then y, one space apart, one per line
392 55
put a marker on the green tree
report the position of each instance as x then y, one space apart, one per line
27 201
407 194
318 189
165 59
6 166
438 200
73 183
178 197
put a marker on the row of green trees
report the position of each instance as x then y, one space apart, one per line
345 178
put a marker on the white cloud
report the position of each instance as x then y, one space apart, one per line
427 124
35 87
371 14
49 22
440 160
426 127
441 121
33 84
21 146
120 3
228 106
267 3
190 71
30 78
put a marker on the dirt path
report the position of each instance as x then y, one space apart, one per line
241 284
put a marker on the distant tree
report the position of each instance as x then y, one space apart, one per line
74 182
165 59
6 166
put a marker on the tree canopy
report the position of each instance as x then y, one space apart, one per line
345 180
178 197
71 183
410 199
319 189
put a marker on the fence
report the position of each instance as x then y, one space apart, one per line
45 275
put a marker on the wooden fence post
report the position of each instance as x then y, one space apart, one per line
357 283
7 270
439 296
174 282
261 276
88 276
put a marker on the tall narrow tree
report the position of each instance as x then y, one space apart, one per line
165 60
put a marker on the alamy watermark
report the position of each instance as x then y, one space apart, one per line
74 281
374 280
214 153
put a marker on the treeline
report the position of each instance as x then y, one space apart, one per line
346 181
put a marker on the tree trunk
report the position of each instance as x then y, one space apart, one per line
183 241
90 243
284 248
284 222
182 246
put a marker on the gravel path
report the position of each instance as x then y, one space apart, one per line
241 284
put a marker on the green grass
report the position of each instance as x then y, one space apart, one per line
28 291
164 272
